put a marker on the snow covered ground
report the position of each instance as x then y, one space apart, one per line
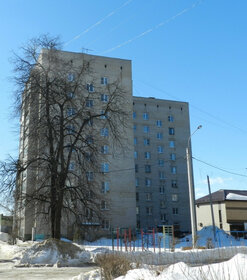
63 260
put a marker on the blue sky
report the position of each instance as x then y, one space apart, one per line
184 50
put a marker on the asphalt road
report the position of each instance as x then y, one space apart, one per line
8 271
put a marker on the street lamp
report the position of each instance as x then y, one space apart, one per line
191 188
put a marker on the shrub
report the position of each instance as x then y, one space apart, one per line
112 265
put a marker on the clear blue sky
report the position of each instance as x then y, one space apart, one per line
194 53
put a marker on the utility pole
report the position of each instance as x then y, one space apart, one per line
211 205
191 189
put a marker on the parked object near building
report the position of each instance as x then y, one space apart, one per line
230 210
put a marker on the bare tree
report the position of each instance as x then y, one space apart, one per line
62 116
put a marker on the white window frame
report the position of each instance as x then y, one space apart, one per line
146 129
104 80
160 149
90 87
147 155
159 135
104 167
89 103
159 123
145 116
104 97
104 132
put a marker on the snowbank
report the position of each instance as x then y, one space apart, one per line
54 252
234 269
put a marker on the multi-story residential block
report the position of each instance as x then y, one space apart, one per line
161 133
142 184
93 88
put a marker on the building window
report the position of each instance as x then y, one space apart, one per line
104 115
134 127
136 168
171 131
70 129
146 142
174 184
160 149
147 168
90 87
104 167
71 112
90 122
137 210
89 103
104 97
175 211
71 77
174 197
89 175
135 141
137 196
104 131
162 204
161 162
135 154
104 149
173 156
137 182
159 135
159 123
89 139
71 166
171 144
105 187
134 115
162 189
105 224
147 182
170 118
103 205
145 116
70 95
104 81
162 175
146 129
163 217
147 155
149 210
148 196
174 170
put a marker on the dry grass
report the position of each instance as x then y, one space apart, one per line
113 265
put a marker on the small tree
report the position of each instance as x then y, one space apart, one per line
64 129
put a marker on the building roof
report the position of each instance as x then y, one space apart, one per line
223 195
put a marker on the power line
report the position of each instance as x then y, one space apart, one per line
97 23
219 168
153 28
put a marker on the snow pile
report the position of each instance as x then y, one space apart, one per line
53 252
91 275
206 235
234 269
234 196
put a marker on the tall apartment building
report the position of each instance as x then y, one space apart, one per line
145 181
161 132
100 85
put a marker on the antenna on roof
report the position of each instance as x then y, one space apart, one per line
85 50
